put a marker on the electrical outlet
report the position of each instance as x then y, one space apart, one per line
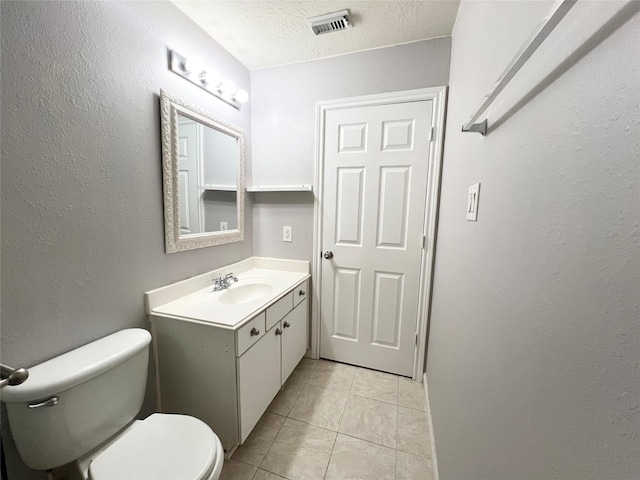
287 234
224 226
472 202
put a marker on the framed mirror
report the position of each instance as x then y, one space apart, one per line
203 177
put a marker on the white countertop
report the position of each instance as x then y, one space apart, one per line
193 299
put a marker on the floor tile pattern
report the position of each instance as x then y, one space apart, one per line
333 421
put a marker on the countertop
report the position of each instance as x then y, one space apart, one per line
189 301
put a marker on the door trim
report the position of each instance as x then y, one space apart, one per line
438 96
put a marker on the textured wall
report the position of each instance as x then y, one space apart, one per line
82 211
284 126
533 359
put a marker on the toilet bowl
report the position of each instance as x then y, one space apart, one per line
75 413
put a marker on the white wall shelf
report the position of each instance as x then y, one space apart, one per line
280 188
221 188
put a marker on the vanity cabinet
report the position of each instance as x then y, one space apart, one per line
227 377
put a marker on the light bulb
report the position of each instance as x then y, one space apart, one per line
227 87
192 65
241 96
213 78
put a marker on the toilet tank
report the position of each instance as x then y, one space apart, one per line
99 387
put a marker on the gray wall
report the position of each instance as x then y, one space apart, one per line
284 126
82 212
220 206
535 329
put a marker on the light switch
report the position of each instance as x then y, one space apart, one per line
472 202
287 234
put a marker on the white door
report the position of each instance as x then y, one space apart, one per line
188 164
375 187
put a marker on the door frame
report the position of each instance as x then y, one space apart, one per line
438 95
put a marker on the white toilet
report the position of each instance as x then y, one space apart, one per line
77 411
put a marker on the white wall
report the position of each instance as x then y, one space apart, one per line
82 212
533 358
283 125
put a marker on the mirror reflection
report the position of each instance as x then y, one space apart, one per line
208 172
203 177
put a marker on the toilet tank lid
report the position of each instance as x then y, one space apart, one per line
77 366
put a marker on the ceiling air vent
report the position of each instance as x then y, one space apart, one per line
330 22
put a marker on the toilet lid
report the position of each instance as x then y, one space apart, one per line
162 447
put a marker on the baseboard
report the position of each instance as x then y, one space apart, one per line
434 460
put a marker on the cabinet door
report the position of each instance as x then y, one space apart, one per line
294 338
258 380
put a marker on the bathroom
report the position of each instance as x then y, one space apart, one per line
532 357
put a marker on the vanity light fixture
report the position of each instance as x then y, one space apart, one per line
192 70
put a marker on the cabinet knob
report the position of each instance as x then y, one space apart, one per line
301 293
286 324
254 332
278 331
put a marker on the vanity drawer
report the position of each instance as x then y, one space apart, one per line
300 293
278 310
247 336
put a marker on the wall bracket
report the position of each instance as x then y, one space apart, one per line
481 128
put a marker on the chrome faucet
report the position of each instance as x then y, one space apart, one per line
222 283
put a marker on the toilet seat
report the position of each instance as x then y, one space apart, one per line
161 447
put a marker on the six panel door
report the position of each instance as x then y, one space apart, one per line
375 177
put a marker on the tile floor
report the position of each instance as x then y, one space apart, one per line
333 421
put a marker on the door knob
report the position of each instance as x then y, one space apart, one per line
328 254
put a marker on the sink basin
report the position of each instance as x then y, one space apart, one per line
246 291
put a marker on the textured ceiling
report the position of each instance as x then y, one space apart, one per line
264 33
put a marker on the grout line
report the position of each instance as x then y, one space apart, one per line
330 456
275 474
367 441
312 425
395 464
397 425
342 414
293 404
376 399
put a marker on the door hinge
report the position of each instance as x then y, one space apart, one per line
432 134
424 241
416 343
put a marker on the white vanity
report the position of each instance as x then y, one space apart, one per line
223 356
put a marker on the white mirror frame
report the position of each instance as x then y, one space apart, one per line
170 108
